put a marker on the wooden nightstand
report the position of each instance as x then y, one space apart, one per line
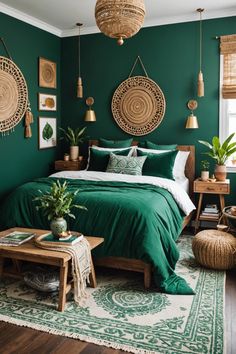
202 187
61 165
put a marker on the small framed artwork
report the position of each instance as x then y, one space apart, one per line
47 102
47 73
47 132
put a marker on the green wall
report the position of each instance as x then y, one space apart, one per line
171 57
20 158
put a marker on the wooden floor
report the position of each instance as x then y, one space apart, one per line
20 340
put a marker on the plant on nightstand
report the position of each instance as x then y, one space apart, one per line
205 170
74 137
220 153
56 204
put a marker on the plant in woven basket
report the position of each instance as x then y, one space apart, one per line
220 153
56 204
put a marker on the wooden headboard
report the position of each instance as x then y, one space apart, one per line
190 164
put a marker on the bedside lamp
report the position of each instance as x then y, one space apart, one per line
90 114
192 122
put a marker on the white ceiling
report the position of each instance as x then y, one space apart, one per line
60 16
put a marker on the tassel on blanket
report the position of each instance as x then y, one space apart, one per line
28 120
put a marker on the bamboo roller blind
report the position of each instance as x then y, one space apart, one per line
228 49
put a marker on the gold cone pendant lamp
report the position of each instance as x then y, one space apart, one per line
192 122
200 84
79 82
119 19
90 115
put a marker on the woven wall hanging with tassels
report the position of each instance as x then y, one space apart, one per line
14 102
138 104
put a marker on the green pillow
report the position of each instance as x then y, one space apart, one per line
142 144
150 145
115 143
129 165
159 165
98 159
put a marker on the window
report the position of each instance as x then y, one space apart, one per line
228 91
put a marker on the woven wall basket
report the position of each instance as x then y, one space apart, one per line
138 105
13 95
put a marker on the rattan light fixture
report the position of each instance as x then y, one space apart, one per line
119 19
79 82
200 84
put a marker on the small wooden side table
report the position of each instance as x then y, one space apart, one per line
61 165
30 253
205 187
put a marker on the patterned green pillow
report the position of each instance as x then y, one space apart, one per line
129 165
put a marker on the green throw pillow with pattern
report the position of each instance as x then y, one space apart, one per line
128 165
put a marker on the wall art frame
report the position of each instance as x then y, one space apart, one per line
47 102
47 73
47 132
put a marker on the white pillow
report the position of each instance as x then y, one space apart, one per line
109 150
179 164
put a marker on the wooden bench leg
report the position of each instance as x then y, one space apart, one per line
147 276
92 276
63 287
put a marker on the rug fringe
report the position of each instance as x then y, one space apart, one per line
109 344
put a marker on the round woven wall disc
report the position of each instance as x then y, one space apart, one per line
47 73
13 94
138 105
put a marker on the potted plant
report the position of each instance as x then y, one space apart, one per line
233 160
56 204
220 153
74 137
205 170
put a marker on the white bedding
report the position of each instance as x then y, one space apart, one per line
177 191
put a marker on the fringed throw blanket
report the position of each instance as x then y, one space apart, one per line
81 265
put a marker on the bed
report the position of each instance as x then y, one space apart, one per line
137 215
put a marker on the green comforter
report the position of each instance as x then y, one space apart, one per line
139 221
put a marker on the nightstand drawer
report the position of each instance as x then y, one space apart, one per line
61 165
208 187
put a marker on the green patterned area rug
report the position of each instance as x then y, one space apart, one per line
120 314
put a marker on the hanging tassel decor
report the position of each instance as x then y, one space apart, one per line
200 85
28 120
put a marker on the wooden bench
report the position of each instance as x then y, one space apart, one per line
30 253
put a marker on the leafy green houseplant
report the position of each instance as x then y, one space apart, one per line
220 153
56 205
74 137
205 170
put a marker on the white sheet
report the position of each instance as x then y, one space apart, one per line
178 193
184 183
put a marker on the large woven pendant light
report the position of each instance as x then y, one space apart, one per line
79 82
119 19
200 84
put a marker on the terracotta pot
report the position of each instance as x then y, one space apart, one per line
74 153
220 172
204 175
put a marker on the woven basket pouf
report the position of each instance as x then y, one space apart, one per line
214 249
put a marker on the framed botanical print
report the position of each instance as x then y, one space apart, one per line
47 102
47 73
47 132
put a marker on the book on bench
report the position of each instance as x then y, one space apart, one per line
16 238
68 241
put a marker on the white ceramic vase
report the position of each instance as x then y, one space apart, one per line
58 226
204 175
74 153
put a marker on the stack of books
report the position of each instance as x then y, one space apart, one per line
210 212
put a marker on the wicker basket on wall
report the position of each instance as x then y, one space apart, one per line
215 249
